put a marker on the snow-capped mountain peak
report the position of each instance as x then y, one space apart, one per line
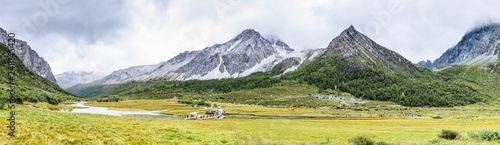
246 53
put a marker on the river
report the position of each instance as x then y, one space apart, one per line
106 111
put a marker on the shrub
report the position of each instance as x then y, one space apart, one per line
2 104
434 141
50 99
361 140
489 135
30 98
382 143
224 141
437 117
473 135
448 134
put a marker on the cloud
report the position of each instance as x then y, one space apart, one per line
104 36
92 20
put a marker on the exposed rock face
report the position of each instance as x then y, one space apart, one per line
427 63
287 65
30 57
476 47
68 79
362 52
248 52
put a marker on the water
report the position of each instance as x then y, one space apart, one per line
105 111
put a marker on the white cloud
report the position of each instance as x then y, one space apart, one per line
156 31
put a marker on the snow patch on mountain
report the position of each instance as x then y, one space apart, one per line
243 55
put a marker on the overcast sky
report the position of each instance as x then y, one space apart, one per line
106 35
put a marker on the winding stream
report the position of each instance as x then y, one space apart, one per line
106 111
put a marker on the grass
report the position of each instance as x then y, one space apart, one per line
179 109
39 126
43 126
285 93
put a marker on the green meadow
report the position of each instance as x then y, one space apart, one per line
42 123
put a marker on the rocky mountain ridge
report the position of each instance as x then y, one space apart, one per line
478 46
362 52
246 53
30 57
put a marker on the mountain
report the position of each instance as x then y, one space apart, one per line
478 46
30 57
69 79
427 63
351 63
360 52
355 64
243 55
30 87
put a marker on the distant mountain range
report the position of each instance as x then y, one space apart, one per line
69 79
30 57
427 63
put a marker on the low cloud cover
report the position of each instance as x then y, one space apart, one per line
104 36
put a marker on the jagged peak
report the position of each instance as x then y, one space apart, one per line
280 43
351 34
248 33
351 28
277 42
351 31
482 29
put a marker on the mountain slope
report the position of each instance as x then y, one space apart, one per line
30 86
351 63
486 79
69 79
355 64
247 53
362 52
241 56
478 46
30 57
474 61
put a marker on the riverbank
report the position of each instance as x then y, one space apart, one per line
106 111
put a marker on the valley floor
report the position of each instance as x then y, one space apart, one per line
42 126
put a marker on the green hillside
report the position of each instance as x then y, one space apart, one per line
359 66
486 78
421 86
30 87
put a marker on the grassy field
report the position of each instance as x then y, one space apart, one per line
180 109
44 126
38 126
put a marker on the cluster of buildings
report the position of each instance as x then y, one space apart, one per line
338 98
